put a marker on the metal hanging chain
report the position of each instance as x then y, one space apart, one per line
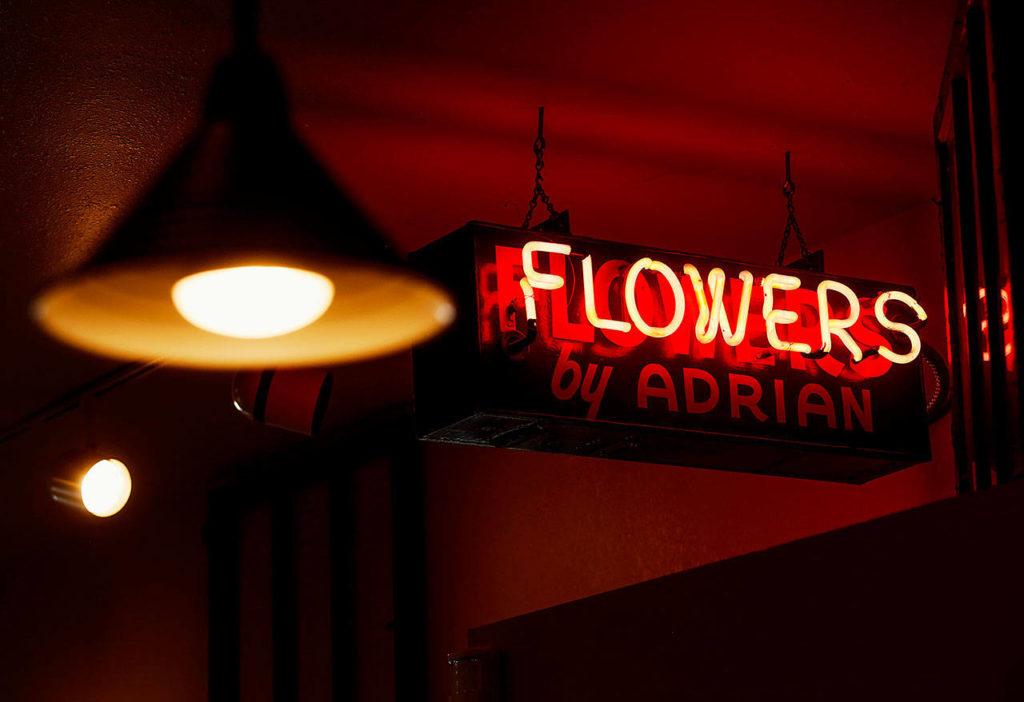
791 224
538 188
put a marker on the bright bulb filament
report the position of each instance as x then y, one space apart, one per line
253 302
106 487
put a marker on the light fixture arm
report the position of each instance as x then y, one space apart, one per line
246 86
246 18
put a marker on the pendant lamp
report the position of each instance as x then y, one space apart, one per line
244 254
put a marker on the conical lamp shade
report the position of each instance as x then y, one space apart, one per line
300 277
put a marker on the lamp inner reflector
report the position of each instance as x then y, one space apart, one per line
253 302
106 487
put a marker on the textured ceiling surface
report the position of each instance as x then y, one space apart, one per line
666 125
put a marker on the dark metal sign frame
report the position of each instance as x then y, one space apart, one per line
567 387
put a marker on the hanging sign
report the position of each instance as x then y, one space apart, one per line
590 347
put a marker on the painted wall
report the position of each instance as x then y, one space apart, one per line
107 610
921 605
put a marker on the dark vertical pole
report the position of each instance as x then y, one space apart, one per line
964 481
1007 54
222 546
969 251
408 515
343 588
988 234
283 594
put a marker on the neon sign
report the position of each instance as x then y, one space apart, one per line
714 316
584 346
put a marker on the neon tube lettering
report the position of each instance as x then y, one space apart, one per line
543 281
630 294
588 301
714 316
905 329
837 327
531 304
774 317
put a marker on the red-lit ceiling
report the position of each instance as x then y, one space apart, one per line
666 125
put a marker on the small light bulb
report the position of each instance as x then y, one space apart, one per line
106 487
253 302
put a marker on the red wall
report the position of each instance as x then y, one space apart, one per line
921 605
107 610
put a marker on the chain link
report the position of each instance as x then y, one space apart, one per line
791 224
539 145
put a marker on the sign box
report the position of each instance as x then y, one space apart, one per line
527 367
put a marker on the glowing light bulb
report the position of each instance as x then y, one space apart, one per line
531 304
253 302
106 487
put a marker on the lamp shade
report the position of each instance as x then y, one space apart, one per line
244 254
